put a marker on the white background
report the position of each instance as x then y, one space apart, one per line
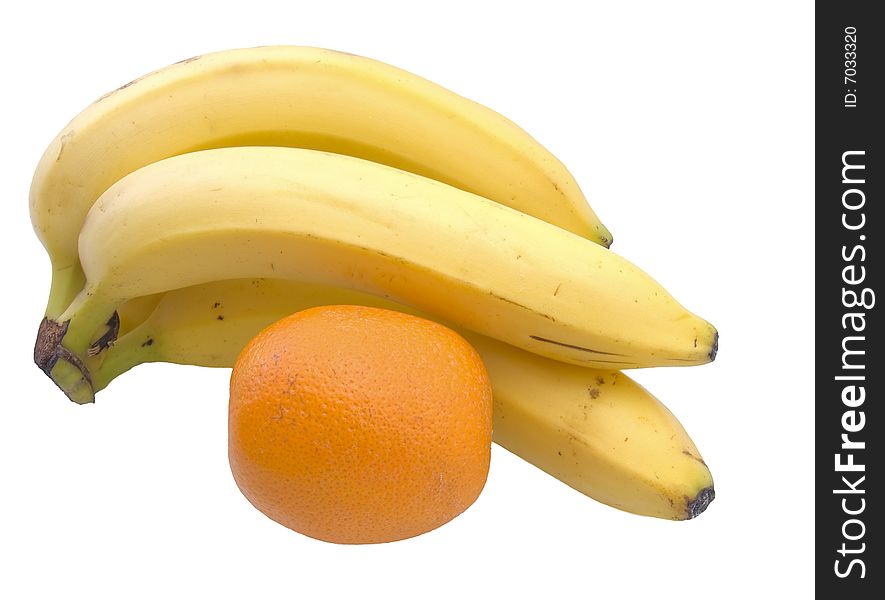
690 127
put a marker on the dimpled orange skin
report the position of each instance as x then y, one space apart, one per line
359 425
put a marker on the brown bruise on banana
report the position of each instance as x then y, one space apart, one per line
122 87
145 76
594 391
63 142
191 59
612 364
624 365
697 458
522 306
581 348
107 338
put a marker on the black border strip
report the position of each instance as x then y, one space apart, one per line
849 363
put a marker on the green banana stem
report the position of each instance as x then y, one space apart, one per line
63 344
85 317
66 283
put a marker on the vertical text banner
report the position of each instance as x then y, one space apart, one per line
849 328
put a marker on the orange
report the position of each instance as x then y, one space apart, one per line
359 425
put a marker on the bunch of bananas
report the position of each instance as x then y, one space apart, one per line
190 208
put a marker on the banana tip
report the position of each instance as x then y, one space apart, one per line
605 237
701 501
715 349
50 355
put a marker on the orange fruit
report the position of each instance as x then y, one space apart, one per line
359 425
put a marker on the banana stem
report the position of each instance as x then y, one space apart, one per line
62 348
85 317
66 283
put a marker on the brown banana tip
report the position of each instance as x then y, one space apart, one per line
701 502
48 350
715 349
49 336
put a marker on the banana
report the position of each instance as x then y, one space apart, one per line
596 430
326 218
292 96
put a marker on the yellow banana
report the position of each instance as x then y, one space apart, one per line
595 430
327 218
292 96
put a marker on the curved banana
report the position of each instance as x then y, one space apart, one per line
327 218
595 430
292 96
